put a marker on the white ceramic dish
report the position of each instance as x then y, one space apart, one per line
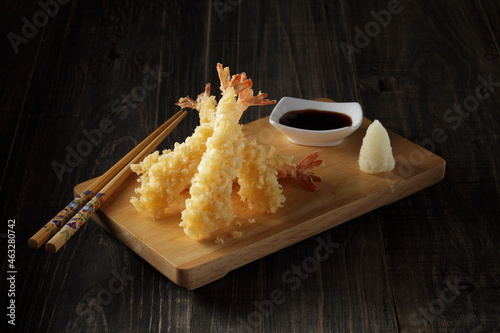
324 138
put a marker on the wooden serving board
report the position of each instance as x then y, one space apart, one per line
345 193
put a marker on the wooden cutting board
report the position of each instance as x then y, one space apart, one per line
345 193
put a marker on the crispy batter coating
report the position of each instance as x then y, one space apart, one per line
210 205
258 179
163 177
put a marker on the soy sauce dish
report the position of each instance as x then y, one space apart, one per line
315 123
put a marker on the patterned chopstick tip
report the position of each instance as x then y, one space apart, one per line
85 212
64 215
70 228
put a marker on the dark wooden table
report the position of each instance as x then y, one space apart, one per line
428 71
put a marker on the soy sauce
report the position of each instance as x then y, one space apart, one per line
316 120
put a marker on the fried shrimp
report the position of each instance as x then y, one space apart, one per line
210 205
258 180
301 172
214 157
261 169
164 177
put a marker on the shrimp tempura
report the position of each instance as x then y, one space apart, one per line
258 180
210 204
164 177
262 166
261 169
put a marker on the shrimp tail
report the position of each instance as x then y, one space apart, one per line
302 171
204 94
242 86
224 76
239 82
187 102
247 99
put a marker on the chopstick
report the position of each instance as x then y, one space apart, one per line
104 186
69 229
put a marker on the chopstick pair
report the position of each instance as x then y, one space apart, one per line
97 193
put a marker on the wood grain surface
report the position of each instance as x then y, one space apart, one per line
91 79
